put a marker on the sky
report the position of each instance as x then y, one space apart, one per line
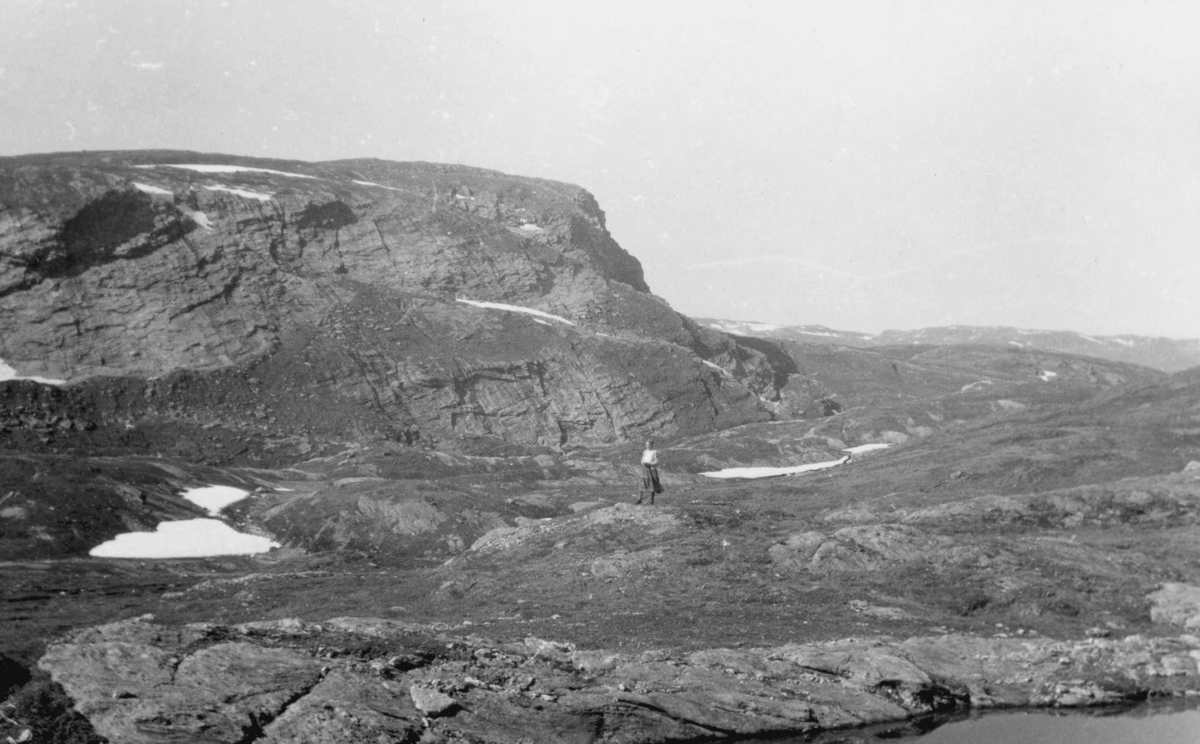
858 165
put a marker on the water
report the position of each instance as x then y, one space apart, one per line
1164 722
1139 726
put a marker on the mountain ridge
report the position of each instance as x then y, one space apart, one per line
1159 352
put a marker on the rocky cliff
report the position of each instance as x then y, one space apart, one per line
239 285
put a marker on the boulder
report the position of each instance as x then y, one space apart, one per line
1176 604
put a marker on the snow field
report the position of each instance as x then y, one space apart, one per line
867 448
190 538
772 472
515 309
241 192
215 498
187 538
376 185
152 190
209 168
8 373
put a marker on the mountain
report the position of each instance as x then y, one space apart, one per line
429 387
1166 354
286 305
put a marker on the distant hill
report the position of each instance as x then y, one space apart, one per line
1166 354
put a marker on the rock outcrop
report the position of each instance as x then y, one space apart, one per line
348 282
353 679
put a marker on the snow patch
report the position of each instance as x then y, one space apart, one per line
717 367
215 498
1089 338
1017 344
8 373
540 322
818 333
1124 342
1047 375
739 326
152 190
973 385
376 185
515 309
867 447
241 192
772 472
530 227
200 218
187 538
208 168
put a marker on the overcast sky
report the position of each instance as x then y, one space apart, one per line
857 165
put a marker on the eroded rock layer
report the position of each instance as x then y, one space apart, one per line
353 282
354 679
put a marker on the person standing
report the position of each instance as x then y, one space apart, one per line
650 480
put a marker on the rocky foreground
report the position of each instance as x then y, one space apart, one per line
355 679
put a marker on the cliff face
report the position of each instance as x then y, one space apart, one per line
300 280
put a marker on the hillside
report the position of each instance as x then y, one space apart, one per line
342 301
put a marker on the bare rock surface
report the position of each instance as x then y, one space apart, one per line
343 281
291 681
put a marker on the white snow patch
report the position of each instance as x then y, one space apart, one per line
540 322
241 192
530 227
515 309
215 498
717 367
376 185
8 373
187 538
1124 342
772 472
818 333
200 218
1017 344
152 190
1089 338
739 326
209 168
1047 375
867 447
973 385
